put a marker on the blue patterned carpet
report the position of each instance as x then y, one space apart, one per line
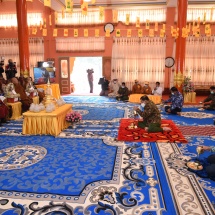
89 99
66 167
190 115
85 171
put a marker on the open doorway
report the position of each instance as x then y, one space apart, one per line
79 78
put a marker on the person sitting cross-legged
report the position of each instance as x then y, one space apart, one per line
123 93
146 89
157 90
137 88
24 99
114 88
211 99
176 101
151 116
5 110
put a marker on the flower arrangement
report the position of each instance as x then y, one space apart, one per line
73 117
188 85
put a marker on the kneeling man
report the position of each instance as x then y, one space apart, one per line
151 116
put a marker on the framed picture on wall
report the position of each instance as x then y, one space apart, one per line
64 68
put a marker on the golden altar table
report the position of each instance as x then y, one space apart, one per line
135 98
46 123
16 110
55 89
190 97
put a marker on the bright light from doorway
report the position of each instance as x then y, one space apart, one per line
79 75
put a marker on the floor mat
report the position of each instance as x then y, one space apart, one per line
197 130
137 134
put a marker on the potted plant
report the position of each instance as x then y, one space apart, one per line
188 90
187 85
73 117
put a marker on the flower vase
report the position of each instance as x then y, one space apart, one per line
73 125
190 97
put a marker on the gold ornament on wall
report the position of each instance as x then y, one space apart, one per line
178 79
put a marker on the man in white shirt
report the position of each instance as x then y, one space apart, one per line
157 90
114 87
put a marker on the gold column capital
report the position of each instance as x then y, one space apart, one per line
24 73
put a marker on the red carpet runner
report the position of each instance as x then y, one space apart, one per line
126 133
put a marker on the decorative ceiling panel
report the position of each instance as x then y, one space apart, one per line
58 4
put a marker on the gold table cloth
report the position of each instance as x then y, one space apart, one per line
55 89
36 100
135 98
190 97
16 110
46 123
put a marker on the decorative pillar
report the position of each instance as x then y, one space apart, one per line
180 44
170 41
21 11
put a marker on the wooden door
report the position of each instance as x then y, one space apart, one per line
106 63
65 84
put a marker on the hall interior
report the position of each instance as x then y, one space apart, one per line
50 35
104 165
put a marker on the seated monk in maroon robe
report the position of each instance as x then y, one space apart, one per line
24 99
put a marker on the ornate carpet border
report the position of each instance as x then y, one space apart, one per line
186 189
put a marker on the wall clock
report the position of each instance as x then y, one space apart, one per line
169 62
109 26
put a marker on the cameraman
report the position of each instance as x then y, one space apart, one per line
1 69
10 69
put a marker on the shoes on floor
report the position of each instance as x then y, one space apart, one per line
201 109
